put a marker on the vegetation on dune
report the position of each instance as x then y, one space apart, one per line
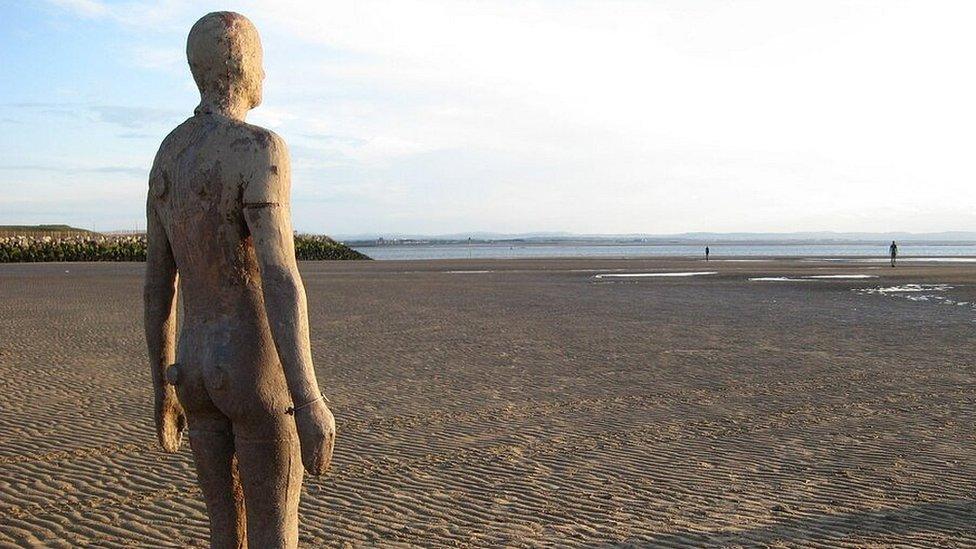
17 249
314 247
54 231
95 247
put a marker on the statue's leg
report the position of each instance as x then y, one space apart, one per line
212 441
217 476
271 472
253 394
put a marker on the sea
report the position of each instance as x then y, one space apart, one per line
906 251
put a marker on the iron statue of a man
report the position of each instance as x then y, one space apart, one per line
240 378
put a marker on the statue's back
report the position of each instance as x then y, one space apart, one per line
199 184
197 189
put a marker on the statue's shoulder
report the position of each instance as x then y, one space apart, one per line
268 166
172 144
262 141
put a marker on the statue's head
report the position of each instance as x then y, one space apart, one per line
225 56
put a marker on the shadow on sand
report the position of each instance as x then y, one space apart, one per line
945 519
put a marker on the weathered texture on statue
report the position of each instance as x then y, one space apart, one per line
240 378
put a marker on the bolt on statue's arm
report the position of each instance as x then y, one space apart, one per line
266 210
160 323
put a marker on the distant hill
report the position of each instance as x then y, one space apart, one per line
42 230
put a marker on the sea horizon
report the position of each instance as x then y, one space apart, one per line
908 251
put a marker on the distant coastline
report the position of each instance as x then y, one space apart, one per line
569 248
949 238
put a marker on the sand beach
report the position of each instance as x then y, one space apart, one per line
781 403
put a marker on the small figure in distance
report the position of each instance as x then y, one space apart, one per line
893 250
240 376
707 251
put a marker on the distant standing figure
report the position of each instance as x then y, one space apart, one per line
894 252
707 251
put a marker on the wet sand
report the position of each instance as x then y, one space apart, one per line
533 404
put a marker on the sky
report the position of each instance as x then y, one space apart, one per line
595 117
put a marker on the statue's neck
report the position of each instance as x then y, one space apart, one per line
223 106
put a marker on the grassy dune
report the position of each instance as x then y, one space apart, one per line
57 243
54 231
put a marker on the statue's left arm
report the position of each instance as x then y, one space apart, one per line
268 217
160 324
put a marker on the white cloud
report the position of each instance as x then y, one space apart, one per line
84 8
615 115
170 59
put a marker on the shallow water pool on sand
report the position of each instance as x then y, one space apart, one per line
811 278
930 293
842 276
907 288
647 275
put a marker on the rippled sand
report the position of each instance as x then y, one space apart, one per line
522 403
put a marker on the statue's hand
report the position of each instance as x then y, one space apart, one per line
317 434
170 419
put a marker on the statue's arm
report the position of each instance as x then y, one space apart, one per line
269 221
159 295
267 212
